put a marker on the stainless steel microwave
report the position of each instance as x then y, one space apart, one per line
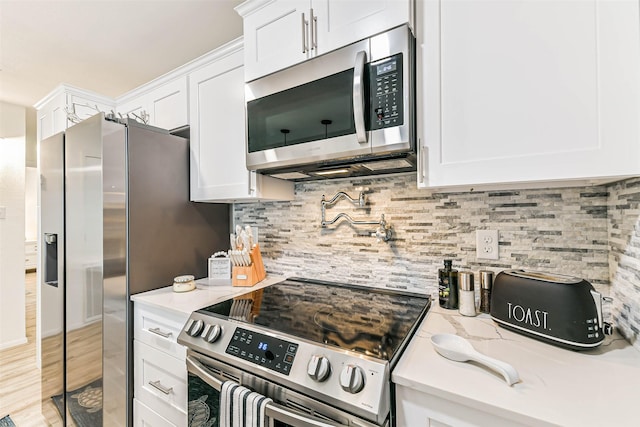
349 112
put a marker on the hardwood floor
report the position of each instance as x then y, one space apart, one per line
22 395
20 389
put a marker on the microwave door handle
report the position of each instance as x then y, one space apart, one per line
358 96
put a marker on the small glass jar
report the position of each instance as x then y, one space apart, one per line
184 283
466 294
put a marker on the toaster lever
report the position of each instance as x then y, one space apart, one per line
607 328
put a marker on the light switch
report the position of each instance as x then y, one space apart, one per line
3 212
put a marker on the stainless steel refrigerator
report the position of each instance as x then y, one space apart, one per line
116 220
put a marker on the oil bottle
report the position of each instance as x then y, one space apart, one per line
448 286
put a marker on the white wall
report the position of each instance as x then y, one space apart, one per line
31 204
12 230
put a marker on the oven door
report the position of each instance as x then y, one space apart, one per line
288 409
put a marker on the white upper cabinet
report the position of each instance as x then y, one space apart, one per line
282 33
163 103
52 116
217 118
66 105
276 36
515 91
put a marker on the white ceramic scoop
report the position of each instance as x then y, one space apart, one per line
460 350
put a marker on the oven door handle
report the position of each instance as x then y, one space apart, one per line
358 96
272 410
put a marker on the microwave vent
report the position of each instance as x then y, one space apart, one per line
387 164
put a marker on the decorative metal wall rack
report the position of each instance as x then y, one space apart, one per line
73 117
382 232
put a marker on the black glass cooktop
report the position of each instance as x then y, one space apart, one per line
371 321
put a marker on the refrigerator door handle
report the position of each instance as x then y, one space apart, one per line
51 259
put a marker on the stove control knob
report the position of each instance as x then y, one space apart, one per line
195 328
319 368
211 333
352 379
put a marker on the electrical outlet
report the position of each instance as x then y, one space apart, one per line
3 212
487 244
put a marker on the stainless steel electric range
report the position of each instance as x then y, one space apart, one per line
323 351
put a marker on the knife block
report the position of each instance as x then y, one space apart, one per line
252 274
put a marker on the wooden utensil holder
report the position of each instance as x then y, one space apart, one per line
252 274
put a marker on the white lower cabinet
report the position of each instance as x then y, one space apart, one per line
143 416
30 255
418 409
160 371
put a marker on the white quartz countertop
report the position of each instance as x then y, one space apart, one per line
598 387
206 293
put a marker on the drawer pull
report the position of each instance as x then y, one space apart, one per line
157 331
158 386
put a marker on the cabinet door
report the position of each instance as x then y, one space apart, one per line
342 22
276 36
168 105
216 96
52 117
143 416
218 149
161 383
134 108
524 91
85 108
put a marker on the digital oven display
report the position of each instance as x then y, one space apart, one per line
263 350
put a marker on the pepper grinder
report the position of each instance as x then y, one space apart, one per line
466 294
486 282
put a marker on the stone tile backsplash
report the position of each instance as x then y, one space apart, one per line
575 231
624 257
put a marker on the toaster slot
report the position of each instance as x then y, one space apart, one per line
547 277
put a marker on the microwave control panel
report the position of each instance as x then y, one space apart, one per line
385 79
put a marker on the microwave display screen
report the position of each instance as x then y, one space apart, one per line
386 67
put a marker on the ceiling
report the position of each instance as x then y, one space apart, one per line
108 47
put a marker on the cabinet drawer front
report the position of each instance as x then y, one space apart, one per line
30 261
159 329
145 417
161 382
31 247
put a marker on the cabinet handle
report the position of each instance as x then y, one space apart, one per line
158 386
157 331
314 30
253 184
421 172
304 34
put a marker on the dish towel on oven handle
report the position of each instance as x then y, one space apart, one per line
241 407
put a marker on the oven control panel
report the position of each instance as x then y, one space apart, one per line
263 350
